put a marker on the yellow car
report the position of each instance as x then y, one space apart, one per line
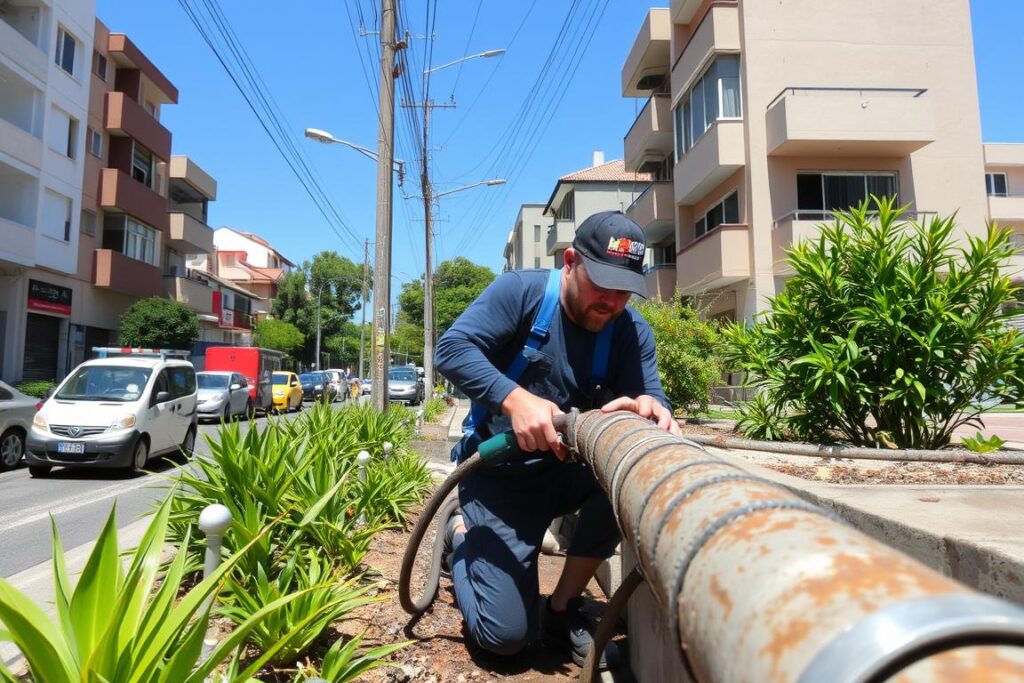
287 392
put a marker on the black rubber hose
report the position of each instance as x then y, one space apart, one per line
436 503
606 627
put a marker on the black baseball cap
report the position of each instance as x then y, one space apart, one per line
613 246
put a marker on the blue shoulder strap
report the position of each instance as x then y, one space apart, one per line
538 335
602 349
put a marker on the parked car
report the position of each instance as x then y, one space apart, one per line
287 392
366 386
337 378
222 395
16 411
255 364
316 387
115 413
404 385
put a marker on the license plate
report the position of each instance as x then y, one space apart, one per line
70 447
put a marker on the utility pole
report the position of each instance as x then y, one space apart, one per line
385 164
362 309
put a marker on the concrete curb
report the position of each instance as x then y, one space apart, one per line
37 582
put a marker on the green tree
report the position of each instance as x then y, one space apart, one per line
271 333
457 283
688 361
159 323
890 332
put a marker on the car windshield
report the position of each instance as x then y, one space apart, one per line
311 377
280 378
403 374
105 383
212 381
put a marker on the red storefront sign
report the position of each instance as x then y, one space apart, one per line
42 296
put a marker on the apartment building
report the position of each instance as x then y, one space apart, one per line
604 186
762 118
44 100
526 246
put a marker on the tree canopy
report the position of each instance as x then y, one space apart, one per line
157 322
457 283
277 334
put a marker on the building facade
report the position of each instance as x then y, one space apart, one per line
527 243
761 119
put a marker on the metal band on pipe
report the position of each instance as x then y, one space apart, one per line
914 629
615 447
654 489
614 418
717 525
661 440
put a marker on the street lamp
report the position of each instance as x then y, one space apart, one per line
326 138
488 53
498 181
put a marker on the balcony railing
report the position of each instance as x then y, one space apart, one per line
715 259
1006 207
560 236
650 136
194 293
118 190
845 121
719 153
122 273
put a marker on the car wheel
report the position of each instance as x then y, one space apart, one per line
227 411
140 456
250 413
12 447
298 406
39 471
189 444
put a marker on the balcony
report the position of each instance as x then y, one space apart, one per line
184 170
661 281
716 156
23 146
1006 209
683 11
22 41
127 56
194 294
650 137
1004 154
116 271
718 32
188 235
650 59
123 116
121 192
716 259
850 122
17 243
560 236
654 211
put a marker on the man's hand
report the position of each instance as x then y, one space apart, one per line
531 421
646 406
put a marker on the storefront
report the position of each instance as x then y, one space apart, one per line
46 330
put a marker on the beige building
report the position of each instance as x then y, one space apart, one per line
527 243
761 118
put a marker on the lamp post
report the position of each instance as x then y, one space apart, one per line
488 53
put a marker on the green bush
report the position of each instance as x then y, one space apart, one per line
889 332
35 387
345 663
688 362
271 333
157 322
433 409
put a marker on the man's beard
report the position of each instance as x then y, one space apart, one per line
588 319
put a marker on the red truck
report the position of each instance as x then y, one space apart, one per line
258 365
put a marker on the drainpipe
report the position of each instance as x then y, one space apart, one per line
757 584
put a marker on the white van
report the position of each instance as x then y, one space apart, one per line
115 413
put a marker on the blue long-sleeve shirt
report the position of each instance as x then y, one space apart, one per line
476 351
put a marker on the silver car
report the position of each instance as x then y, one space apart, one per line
16 413
404 385
222 395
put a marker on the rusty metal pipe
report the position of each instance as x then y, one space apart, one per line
759 585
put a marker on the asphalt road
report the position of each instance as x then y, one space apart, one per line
79 501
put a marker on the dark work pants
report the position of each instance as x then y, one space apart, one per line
507 508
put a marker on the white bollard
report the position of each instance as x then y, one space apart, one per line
388 447
214 520
419 421
362 460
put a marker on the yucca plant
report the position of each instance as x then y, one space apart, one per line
344 662
890 331
393 486
324 598
128 627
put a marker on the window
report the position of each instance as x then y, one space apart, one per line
62 135
57 215
88 223
995 184
65 56
536 261
142 165
567 211
819 194
536 233
131 238
724 212
99 65
713 97
183 381
149 107
72 142
94 139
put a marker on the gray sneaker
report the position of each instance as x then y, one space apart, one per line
451 543
572 632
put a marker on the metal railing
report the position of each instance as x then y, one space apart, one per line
643 111
829 215
794 90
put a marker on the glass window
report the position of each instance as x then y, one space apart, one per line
183 382
731 209
88 224
5 395
99 65
724 212
536 261
209 381
142 165
95 141
715 95
280 378
818 194
567 211
728 74
105 383
536 233
65 57
139 242
995 184
688 132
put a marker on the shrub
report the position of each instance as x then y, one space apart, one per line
36 387
159 323
345 663
688 362
433 409
271 333
889 332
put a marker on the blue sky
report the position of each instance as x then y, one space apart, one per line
309 61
